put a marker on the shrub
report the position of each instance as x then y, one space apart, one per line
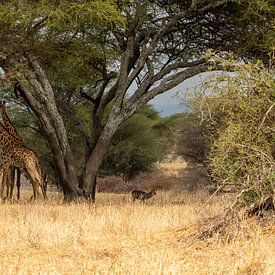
241 109
136 146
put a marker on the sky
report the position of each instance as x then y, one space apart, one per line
172 101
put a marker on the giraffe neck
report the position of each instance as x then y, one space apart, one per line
5 136
8 124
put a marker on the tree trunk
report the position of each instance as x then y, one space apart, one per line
68 180
92 166
59 145
97 156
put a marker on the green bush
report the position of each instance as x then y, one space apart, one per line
136 145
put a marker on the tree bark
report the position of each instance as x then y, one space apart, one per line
97 156
92 166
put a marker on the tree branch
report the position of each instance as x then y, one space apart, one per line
164 30
44 91
170 82
78 124
122 85
179 65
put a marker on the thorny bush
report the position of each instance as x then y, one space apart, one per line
240 111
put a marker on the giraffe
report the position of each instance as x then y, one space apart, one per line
12 130
16 154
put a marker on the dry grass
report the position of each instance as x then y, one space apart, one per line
173 165
118 236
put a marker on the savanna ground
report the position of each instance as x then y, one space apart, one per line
117 236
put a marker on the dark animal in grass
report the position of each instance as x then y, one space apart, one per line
140 195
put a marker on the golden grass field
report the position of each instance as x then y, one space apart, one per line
117 236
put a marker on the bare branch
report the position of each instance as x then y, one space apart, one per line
35 106
44 91
77 122
173 81
40 73
146 82
135 103
123 73
263 120
164 30
179 65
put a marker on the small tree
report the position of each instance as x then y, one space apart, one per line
192 141
135 147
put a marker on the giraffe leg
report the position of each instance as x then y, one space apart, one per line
4 183
40 181
36 181
11 182
1 181
33 182
8 184
18 183
4 179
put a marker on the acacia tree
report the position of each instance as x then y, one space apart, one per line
59 53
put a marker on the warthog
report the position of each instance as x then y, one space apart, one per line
140 195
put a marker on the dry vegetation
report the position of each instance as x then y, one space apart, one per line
115 235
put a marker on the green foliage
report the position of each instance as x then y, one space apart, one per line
241 109
136 145
60 14
66 36
95 11
259 16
